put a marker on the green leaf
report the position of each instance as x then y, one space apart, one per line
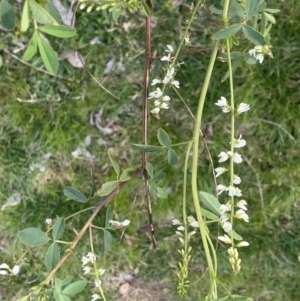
250 59
58 228
25 17
109 215
58 284
253 7
159 176
172 157
208 214
234 235
114 164
272 10
152 189
60 297
7 15
107 240
107 188
127 174
48 55
253 35
40 15
227 32
74 194
52 256
270 18
162 193
210 202
75 287
148 148
149 169
52 10
235 8
31 47
33 237
1 61
66 281
116 12
163 138
59 31
146 9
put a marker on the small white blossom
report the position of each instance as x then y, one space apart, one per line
220 170
241 214
3 272
224 218
16 270
166 57
155 111
239 142
86 270
175 83
170 49
89 258
95 297
97 283
48 221
223 157
176 222
101 271
236 179
224 208
234 191
169 75
166 98
192 222
242 244
4 266
243 107
164 105
225 238
227 226
155 81
259 51
180 228
187 39
223 104
221 188
155 94
125 223
237 158
242 205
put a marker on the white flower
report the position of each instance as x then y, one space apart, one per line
170 49
236 179
259 51
155 111
164 105
187 39
180 228
169 75
16 270
225 238
242 244
223 157
175 83
224 218
239 142
101 271
90 257
234 191
48 221
237 158
155 94
4 266
3 272
242 205
243 107
86 270
224 208
166 98
192 222
221 188
227 226
155 81
166 57
95 297
97 283
223 104
220 170
241 214
125 223
175 222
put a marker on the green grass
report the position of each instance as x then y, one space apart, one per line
270 176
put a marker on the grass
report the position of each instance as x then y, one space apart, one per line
270 175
